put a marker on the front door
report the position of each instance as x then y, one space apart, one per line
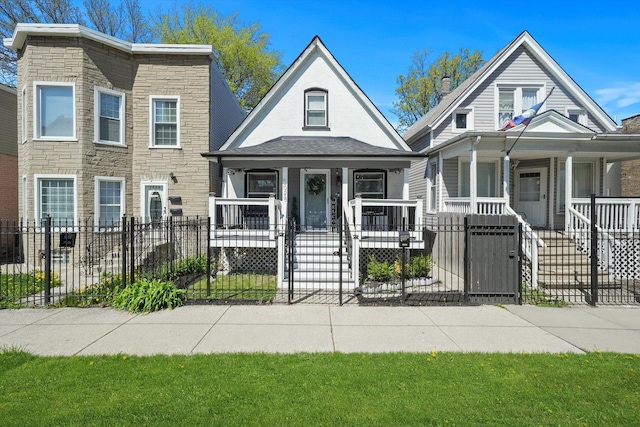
154 199
316 199
531 195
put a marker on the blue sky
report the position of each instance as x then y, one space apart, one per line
597 43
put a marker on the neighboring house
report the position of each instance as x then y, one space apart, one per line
8 170
557 162
314 150
110 128
630 174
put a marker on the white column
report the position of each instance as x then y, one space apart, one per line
345 189
506 178
285 195
439 184
568 181
552 186
405 184
473 179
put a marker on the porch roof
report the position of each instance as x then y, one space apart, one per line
313 147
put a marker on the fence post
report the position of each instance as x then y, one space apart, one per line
47 260
124 251
208 256
339 224
594 253
132 250
467 261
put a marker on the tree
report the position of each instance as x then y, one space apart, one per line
17 11
420 89
124 20
243 54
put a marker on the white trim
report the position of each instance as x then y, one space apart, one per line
143 201
23 101
478 161
517 98
470 123
36 194
97 91
152 100
432 185
543 192
74 30
96 197
581 112
595 179
37 114
552 191
325 96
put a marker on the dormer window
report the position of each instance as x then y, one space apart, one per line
577 115
462 120
315 108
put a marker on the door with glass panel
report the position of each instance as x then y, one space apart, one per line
316 199
154 203
531 195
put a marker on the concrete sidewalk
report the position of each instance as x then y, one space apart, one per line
314 328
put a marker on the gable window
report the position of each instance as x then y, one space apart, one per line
583 182
315 108
463 120
370 185
577 115
109 120
56 197
109 194
55 117
165 120
514 100
487 178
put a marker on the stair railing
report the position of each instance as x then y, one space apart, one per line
580 232
530 244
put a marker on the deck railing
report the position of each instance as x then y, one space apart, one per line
484 205
259 214
614 213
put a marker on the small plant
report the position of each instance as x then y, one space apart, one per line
145 296
397 267
421 266
380 271
94 294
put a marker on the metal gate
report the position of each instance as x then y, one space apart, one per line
492 259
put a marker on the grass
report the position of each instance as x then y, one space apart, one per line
16 286
238 286
540 298
321 389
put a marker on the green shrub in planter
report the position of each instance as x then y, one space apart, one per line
421 266
146 295
382 272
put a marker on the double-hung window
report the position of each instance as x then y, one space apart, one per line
487 178
582 185
165 122
109 116
56 198
315 108
432 176
513 100
55 111
110 207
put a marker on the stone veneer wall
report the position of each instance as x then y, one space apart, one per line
631 168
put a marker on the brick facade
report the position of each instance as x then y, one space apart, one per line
630 169
8 155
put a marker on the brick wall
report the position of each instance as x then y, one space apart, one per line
631 169
8 187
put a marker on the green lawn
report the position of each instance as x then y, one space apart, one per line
237 286
329 389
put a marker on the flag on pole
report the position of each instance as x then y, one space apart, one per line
525 118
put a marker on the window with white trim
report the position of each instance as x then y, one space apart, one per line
577 115
54 111
370 185
487 179
584 181
513 100
462 120
110 201
315 108
261 184
165 122
109 108
432 177
24 114
56 197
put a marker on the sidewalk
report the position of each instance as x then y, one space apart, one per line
315 328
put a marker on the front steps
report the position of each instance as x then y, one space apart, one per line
316 263
562 266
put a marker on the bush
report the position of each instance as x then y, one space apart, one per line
380 271
145 296
421 266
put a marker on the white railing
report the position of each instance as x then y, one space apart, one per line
385 214
484 205
580 232
614 214
264 214
530 244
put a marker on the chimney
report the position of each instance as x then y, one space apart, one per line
445 87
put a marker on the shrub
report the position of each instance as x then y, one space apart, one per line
421 266
145 296
380 271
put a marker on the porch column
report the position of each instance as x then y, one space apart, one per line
552 186
505 179
282 223
473 179
405 184
568 181
345 189
285 195
439 196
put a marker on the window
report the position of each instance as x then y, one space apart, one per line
165 122
56 197
577 115
514 100
432 176
109 120
583 182
370 185
24 114
109 194
315 108
55 117
487 173
463 120
260 184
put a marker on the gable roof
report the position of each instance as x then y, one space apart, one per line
316 47
309 146
449 103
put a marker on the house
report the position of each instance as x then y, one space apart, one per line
543 174
315 152
629 170
8 166
110 128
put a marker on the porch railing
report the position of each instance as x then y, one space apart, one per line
485 205
384 214
259 214
614 214
579 230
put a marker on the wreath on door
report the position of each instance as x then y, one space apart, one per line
315 185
